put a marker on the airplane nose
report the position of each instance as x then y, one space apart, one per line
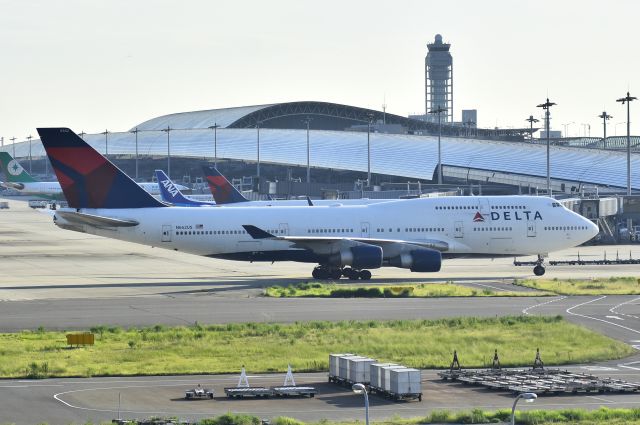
593 228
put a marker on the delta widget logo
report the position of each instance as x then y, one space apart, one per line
478 217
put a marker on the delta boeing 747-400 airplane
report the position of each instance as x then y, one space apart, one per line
344 240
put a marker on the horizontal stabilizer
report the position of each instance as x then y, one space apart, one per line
257 233
94 220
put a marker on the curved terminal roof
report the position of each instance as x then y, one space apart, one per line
403 155
324 115
199 119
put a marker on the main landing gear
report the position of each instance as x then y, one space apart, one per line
539 269
325 272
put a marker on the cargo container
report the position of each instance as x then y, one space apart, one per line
351 369
359 370
334 365
405 383
385 379
344 364
375 373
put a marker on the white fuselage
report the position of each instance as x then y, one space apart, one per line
53 188
488 226
36 188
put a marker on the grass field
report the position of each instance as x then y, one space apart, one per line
475 416
422 290
610 286
265 347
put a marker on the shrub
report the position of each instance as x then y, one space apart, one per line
398 292
356 293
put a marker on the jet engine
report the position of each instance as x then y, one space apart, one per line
418 260
359 257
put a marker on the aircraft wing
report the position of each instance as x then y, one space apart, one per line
321 244
94 220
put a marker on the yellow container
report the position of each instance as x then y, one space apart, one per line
86 338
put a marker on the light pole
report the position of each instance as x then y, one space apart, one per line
168 130
215 143
13 145
81 134
439 110
136 131
2 141
585 127
566 128
29 139
106 142
604 117
547 116
361 389
628 99
258 155
531 120
308 121
369 121
528 397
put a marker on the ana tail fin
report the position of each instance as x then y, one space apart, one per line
171 194
223 192
13 170
88 179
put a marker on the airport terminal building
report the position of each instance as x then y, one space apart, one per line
344 142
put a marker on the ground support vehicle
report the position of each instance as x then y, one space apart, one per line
198 393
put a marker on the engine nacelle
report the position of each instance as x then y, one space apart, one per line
419 260
359 257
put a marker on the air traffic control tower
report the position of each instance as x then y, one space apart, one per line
438 71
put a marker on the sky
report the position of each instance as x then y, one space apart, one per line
93 65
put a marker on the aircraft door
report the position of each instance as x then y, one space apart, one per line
531 229
166 233
364 230
459 233
484 207
283 229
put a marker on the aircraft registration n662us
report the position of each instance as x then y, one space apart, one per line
343 240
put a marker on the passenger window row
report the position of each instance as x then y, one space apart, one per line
414 229
565 228
210 232
458 207
330 230
222 232
492 229
508 207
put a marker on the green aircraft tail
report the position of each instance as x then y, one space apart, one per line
13 170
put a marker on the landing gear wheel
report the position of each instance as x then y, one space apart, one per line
365 274
539 269
335 274
350 273
320 273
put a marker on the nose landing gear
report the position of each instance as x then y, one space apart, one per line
322 272
539 269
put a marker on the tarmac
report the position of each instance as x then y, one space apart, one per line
66 280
